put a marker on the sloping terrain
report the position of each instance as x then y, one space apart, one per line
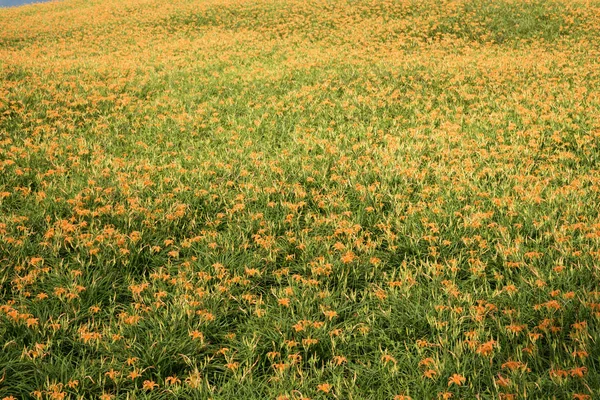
244 199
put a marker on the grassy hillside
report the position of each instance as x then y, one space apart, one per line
249 199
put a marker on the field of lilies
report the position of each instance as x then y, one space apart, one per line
300 199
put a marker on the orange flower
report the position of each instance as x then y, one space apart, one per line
324 387
578 372
32 322
309 341
486 348
514 365
502 381
131 360
284 301
134 374
279 367
430 373
197 335
112 374
348 257
506 396
579 396
386 358
149 385
232 365
456 379
339 360
558 373
426 362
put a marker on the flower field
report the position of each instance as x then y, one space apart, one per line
300 199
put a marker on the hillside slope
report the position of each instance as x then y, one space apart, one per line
300 199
